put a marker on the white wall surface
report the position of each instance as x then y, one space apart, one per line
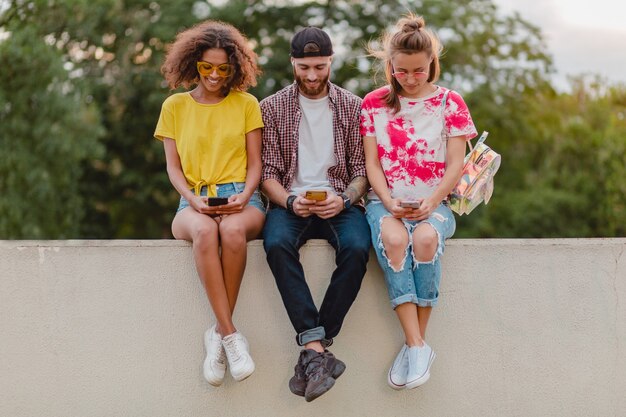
114 328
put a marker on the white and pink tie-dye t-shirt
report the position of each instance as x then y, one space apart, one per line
411 143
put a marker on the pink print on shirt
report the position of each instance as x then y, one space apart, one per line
411 145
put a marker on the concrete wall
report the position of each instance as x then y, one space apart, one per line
114 328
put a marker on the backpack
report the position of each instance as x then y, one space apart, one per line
479 168
476 183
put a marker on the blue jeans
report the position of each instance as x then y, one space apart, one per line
415 282
283 236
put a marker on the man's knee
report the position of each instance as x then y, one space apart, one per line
276 241
357 248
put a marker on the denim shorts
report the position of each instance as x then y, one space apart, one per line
415 282
226 190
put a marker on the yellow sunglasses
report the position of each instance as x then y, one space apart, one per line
205 69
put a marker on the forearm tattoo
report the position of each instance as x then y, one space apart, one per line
357 187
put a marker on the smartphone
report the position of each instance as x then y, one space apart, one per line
316 195
217 201
410 204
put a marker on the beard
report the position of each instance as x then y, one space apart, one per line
308 91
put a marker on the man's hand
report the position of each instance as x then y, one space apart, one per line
325 209
301 206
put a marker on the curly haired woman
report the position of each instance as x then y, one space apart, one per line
212 140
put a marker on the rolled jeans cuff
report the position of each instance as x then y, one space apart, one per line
311 335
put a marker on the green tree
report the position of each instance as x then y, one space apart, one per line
103 57
47 131
116 49
569 169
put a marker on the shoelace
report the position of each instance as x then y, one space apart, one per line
312 371
221 356
232 346
216 343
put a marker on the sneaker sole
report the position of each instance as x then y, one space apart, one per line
394 385
294 390
422 380
243 376
338 369
216 381
213 382
322 389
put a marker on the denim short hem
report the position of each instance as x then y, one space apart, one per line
422 302
412 298
403 299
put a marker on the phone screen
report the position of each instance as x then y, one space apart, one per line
217 201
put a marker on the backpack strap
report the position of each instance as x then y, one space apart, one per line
443 114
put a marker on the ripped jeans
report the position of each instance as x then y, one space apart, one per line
415 282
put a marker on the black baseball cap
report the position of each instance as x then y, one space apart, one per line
311 35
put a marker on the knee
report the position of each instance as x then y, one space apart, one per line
425 244
232 233
275 242
357 246
204 237
395 244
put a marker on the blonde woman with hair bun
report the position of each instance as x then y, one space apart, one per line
414 133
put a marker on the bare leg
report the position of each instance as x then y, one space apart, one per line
316 345
423 315
424 248
407 314
395 240
202 231
235 231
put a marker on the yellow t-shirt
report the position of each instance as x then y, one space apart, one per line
210 138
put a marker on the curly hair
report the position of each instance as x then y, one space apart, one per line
411 36
179 67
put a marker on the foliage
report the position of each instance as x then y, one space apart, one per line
98 62
47 131
565 176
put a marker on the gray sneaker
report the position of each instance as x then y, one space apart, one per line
319 378
298 382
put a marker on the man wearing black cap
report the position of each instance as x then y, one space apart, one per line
314 175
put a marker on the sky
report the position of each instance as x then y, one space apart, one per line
582 36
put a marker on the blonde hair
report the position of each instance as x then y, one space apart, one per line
409 37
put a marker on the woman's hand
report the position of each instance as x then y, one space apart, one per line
236 204
393 206
427 207
199 204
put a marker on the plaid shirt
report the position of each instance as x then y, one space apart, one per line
282 115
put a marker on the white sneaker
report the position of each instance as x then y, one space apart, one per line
396 377
239 360
215 363
420 359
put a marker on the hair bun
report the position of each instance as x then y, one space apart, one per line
412 24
